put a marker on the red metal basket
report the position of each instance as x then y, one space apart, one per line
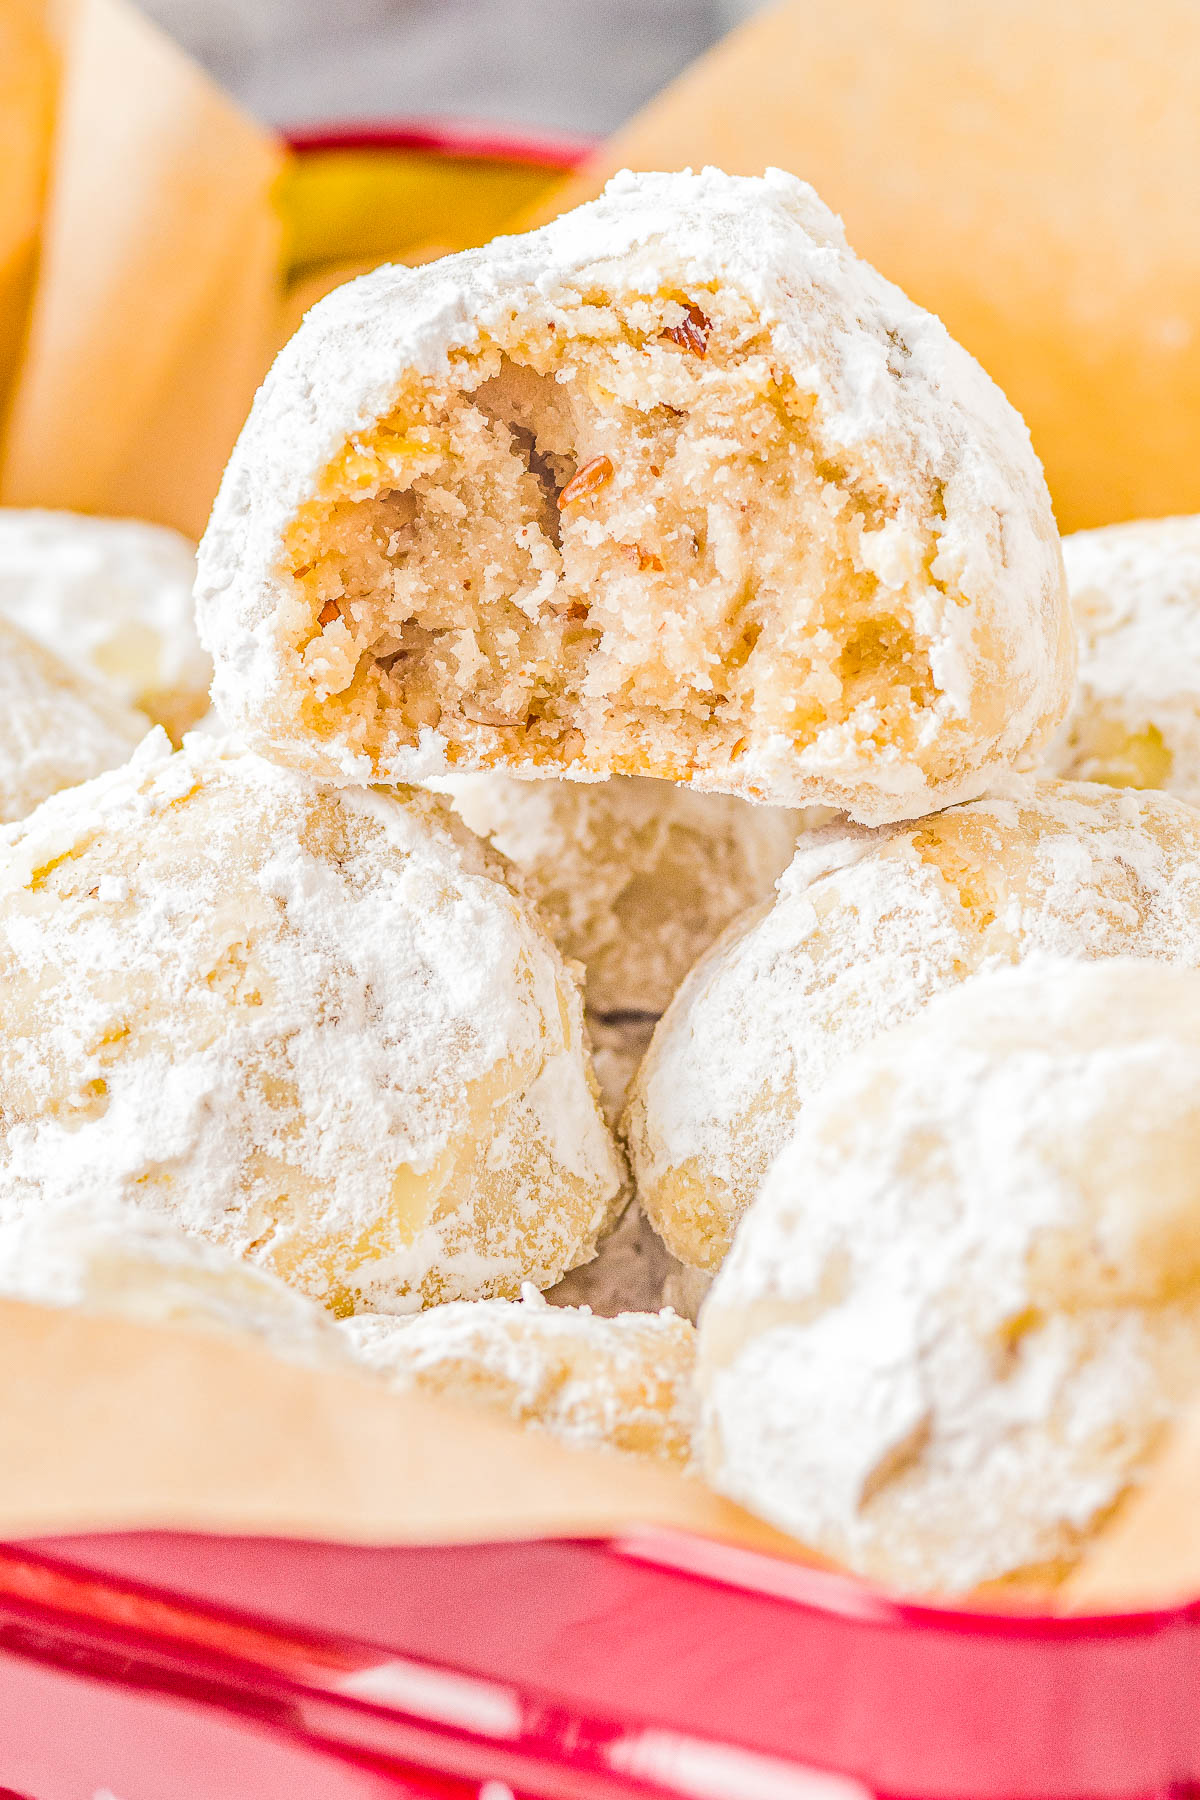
155 1667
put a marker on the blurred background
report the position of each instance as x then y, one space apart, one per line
568 65
1028 170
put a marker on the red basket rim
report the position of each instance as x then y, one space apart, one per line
840 1592
466 139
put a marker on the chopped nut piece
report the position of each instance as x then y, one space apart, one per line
422 709
481 715
329 612
692 333
570 609
586 481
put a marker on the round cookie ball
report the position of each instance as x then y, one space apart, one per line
114 1259
609 1384
866 927
57 727
634 878
966 1303
675 486
314 1026
114 597
1135 591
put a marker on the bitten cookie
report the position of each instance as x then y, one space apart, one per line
1135 590
634 878
967 1301
314 1026
57 727
866 928
113 597
676 486
618 1384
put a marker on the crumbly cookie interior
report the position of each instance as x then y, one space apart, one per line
611 540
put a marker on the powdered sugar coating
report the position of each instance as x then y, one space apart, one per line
316 1027
865 929
56 727
634 878
1135 592
118 1260
623 1383
953 478
967 1301
113 596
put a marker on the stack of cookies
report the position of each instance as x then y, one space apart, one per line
651 629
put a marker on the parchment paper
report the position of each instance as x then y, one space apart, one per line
110 1424
153 312
1150 1553
27 84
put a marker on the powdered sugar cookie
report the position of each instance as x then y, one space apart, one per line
634 878
316 1027
116 1259
967 1301
110 596
867 927
56 727
675 486
617 1384
1135 590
